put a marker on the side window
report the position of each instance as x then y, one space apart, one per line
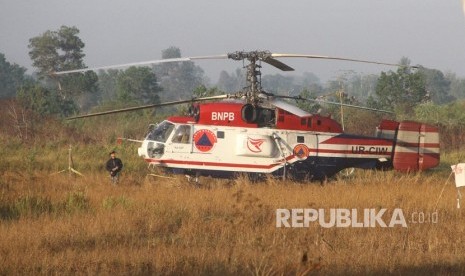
182 135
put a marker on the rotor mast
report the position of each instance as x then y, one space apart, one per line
253 79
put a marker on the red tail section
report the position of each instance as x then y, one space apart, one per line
417 147
416 144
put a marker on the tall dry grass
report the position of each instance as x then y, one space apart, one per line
61 224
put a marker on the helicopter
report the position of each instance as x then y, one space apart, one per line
257 133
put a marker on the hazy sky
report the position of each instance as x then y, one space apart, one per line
429 32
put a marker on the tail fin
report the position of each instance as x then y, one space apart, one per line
416 147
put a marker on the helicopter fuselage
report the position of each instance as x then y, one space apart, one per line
224 139
261 134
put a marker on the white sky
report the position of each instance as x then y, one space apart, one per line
429 32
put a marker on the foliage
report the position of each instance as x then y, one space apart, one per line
202 91
278 84
233 82
114 202
437 85
74 202
33 206
291 86
178 79
450 119
356 85
137 84
451 114
358 121
199 92
59 51
400 91
82 88
171 52
44 101
25 206
11 77
107 82
457 86
309 106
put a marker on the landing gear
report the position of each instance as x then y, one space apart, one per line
194 179
346 172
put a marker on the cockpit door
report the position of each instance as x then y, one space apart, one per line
181 141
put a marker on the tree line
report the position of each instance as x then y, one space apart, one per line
401 90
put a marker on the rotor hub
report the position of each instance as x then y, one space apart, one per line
254 87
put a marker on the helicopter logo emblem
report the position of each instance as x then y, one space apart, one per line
254 145
301 151
204 140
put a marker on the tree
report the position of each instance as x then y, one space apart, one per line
137 84
355 85
457 86
70 46
309 106
11 77
166 69
202 91
43 101
437 85
233 82
107 82
178 79
401 90
278 84
44 53
308 80
59 51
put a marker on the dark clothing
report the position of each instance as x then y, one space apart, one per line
112 164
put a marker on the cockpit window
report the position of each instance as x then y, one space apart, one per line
182 134
161 132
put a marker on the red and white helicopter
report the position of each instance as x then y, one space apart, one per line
258 133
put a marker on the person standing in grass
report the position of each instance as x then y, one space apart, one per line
114 166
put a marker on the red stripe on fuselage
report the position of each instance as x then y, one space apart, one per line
357 141
216 164
358 152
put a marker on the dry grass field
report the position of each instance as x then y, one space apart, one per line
61 225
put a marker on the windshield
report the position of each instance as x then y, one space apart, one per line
161 132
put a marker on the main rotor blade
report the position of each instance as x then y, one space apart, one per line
337 58
278 64
336 103
149 106
142 63
266 57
